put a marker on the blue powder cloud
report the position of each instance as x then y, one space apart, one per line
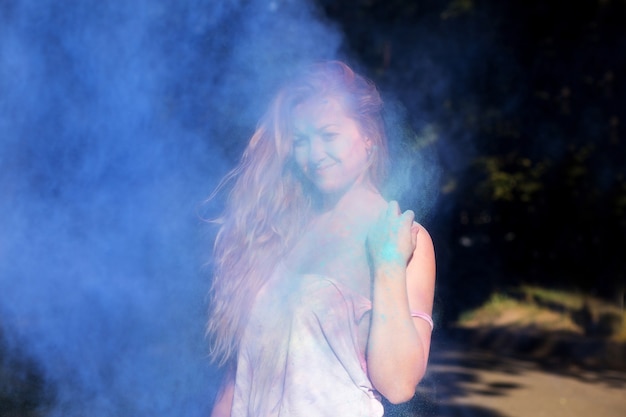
116 120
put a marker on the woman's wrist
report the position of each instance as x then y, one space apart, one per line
388 256
389 270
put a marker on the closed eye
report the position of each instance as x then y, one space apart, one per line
328 136
299 141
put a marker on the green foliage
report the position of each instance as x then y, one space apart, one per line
566 299
511 179
457 8
549 310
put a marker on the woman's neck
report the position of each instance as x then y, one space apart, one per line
357 194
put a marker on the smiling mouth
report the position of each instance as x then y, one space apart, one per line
322 168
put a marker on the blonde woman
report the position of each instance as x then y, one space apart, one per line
323 291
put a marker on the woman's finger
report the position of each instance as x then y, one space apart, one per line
415 229
408 215
393 208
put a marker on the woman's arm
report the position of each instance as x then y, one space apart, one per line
224 398
398 344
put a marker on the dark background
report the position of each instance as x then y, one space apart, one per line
117 119
530 134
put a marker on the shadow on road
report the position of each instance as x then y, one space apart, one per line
590 360
458 364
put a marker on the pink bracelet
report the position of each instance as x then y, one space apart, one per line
425 317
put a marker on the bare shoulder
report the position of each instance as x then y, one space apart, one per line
377 202
373 205
421 272
424 246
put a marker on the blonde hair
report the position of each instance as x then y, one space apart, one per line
270 202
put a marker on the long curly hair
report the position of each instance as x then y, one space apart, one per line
270 201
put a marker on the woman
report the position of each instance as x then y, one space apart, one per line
323 291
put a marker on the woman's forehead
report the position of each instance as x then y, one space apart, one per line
319 110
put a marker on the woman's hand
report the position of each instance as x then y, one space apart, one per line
403 273
392 239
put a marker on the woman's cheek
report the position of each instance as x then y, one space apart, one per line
300 159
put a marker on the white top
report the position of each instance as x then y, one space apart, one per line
301 353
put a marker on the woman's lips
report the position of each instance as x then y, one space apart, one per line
323 167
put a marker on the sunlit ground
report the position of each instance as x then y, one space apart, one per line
539 309
527 351
465 380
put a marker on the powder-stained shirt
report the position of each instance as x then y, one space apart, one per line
302 354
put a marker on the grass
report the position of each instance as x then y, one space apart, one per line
552 310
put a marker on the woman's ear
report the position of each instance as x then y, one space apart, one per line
369 146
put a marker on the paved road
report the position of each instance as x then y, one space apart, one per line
471 382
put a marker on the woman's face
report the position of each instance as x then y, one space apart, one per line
328 146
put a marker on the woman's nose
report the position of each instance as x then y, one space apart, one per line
317 151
